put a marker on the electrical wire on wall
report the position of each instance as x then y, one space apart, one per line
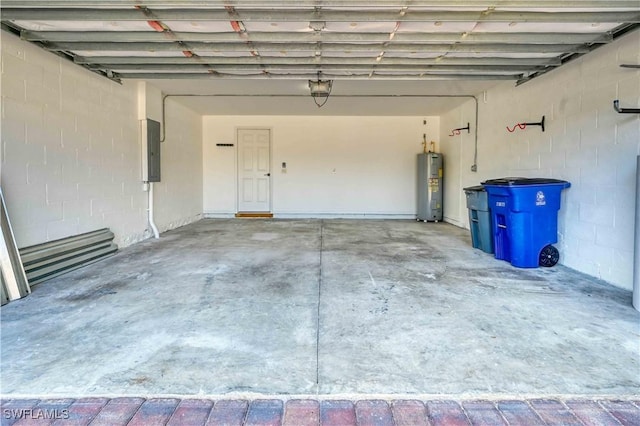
474 166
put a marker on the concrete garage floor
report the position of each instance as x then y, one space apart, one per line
319 307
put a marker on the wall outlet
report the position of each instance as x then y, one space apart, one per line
474 168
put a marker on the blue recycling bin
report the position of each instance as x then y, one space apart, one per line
525 219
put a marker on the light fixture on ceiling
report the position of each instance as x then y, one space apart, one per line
320 90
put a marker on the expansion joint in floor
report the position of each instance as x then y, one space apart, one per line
321 232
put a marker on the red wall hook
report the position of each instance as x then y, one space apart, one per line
456 132
523 126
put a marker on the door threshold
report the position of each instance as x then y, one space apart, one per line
254 215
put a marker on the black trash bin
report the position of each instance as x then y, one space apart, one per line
479 218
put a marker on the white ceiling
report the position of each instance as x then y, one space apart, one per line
386 57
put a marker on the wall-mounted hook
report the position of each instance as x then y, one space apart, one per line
456 132
616 106
522 126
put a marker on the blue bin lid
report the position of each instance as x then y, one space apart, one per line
519 181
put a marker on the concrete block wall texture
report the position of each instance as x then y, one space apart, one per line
458 158
586 142
71 153
179 194
336 166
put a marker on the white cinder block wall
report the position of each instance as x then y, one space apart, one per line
71 157
586 142
179 194
336 166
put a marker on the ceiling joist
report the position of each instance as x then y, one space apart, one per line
313 37
327 15
325 69
113 61
324 47
297 39
539 4
367 76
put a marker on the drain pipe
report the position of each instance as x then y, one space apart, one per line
636 247
154 228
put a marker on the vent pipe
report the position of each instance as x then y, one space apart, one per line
154 228
636 254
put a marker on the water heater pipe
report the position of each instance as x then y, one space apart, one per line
154 228
636 254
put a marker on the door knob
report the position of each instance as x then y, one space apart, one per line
267 174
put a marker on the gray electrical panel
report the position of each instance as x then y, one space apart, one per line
150 136
430 187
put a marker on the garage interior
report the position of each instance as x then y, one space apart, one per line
275 249
319 307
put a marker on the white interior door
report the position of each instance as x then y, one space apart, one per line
254 170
